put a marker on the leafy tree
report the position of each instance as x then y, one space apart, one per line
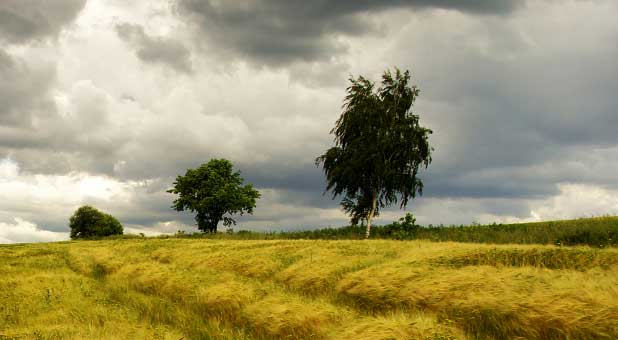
213 191
379 147
89 222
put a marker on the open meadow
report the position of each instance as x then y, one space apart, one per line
308 170
148 288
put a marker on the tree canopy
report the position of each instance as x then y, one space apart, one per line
89 222
214 192
379 147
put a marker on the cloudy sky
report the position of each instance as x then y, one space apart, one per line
104 102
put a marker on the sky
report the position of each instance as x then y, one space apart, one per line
106 102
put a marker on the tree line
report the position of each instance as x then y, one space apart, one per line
379 148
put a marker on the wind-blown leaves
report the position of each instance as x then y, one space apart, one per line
379 147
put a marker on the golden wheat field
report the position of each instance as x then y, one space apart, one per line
299 289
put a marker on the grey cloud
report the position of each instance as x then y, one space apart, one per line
509 119
469 6
149 204
281 32
522 101
513 115
28 115
26 104
22 21
23 91
464 210
47 142
150 49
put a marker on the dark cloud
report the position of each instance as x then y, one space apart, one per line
23 91
29 121
280 32
26 20
52 141
162 50
467 6
508 119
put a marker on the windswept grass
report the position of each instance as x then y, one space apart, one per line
306 289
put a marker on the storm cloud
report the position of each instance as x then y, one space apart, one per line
156 49
23 90
26 20
279 32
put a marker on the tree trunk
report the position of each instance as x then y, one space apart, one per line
370 216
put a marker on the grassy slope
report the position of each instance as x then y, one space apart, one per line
295 289
594 232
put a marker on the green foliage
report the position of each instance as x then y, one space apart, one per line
88 222
379 147
599 232
405 229
213 192
595 232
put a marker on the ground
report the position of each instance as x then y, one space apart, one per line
305 289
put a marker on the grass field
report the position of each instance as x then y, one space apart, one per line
306 289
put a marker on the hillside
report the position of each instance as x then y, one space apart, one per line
305 289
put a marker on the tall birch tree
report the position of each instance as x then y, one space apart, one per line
379 147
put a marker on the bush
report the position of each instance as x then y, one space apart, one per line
88 222
405 229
